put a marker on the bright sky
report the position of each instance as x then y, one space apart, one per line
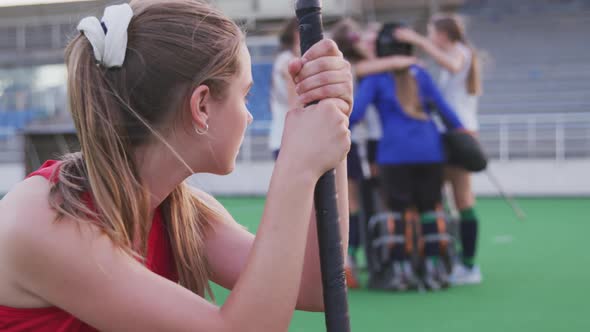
12 3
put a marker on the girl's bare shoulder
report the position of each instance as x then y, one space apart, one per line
26 206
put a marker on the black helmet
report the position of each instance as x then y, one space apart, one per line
387 44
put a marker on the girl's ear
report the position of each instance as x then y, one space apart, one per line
200 105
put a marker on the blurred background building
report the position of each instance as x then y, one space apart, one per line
535 111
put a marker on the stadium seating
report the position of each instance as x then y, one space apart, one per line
535 54
259 100
11 122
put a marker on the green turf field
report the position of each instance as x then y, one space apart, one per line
536 276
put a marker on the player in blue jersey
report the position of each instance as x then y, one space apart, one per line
410 156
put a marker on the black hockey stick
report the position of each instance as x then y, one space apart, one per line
330 242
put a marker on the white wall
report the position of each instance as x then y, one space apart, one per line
10 174
273 9
534 177
247 179
521 178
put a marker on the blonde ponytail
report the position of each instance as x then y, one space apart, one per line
173 46
454 28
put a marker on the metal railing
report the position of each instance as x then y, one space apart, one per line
557 136
505 137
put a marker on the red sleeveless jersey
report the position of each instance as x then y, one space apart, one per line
52 319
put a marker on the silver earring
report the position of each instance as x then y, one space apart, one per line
202 131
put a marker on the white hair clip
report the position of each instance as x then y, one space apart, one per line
109 36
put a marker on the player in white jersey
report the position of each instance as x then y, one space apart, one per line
283 95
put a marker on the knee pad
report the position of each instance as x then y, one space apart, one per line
441 236
385 233
412 221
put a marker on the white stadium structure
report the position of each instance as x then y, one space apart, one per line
535 113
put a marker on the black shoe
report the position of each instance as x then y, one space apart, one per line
397 282
430 276
380 280
410 276
442 275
